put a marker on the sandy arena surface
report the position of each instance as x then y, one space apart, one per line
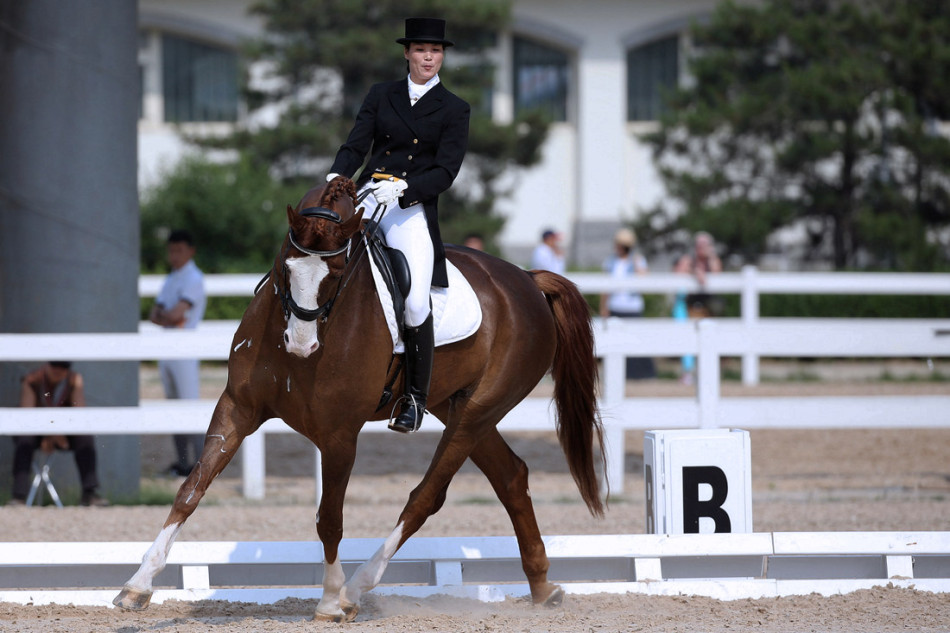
802 481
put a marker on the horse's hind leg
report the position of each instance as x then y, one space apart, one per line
229 426
508 475
424 500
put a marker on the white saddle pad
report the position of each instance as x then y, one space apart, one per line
456 313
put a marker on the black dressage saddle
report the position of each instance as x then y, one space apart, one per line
392 266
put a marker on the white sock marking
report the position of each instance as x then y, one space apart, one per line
154 560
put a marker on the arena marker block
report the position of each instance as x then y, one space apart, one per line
698 481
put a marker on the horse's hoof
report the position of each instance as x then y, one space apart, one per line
328 617
350 611
132 599
347 615
555 599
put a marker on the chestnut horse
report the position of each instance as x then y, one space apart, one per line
313 349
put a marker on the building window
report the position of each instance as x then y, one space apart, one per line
652 69
199 82
541 79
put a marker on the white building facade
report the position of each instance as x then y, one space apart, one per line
597 67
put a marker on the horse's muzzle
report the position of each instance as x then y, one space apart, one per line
302 349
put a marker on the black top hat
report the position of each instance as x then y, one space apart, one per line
430 30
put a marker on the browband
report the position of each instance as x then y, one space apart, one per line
321 212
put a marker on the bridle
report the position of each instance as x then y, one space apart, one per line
322 312
326 214
287 302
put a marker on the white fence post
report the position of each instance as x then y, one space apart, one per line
707 386
750 317
252 466
614 384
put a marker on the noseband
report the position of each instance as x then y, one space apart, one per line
286 300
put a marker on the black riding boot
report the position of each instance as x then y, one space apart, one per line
420 343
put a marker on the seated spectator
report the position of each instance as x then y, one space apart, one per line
54 385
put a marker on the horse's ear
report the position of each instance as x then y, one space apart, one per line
352 225
296 221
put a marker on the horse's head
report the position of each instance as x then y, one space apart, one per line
313 258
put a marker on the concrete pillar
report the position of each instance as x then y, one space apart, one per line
69 223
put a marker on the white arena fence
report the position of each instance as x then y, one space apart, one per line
722 566
709 340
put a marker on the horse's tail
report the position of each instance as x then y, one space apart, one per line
575 383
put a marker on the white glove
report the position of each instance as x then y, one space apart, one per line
331 177
387 191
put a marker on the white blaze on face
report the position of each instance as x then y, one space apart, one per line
305 276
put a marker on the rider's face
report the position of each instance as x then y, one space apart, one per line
425 60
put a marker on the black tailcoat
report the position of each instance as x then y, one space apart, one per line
423 144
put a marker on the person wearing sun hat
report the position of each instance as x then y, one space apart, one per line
415 133
627 261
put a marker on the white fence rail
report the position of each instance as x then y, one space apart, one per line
709 340
750 284
723 566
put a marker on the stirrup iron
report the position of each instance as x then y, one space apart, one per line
413 405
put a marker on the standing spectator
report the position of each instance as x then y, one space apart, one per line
703 262
181 304
684 266
627 261
55 385
548 255
474 241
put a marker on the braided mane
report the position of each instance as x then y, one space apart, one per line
336 189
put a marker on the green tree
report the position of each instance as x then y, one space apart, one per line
817 114
320 58
235 211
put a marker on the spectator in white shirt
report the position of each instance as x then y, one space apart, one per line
548 255
627 261
181 304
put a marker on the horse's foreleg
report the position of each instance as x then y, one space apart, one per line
336 467
227 430
508 475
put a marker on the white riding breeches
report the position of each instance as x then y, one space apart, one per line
407 231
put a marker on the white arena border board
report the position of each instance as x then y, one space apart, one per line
722 566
